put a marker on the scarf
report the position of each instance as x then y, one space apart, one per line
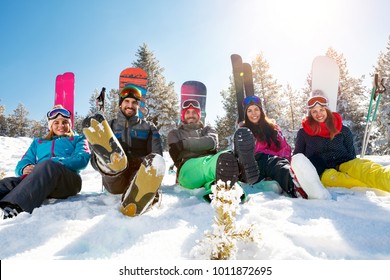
324 132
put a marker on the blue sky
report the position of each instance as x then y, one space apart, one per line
193 40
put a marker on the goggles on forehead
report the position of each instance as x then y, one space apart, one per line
251 99
317 100
52 114
190 103
131 91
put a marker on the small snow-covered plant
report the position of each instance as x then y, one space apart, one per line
221 242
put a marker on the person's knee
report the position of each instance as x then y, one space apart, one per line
47 165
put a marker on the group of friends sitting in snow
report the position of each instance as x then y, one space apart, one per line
120 149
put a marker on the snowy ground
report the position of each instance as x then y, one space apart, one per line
353 225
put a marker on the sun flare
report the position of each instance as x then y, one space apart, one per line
301 18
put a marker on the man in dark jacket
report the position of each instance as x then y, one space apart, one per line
193 148
131 140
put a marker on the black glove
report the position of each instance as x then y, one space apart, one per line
126 148
175 149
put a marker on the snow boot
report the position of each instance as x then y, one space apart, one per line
9 210
307 178
244 147
143 191
227 168
110 156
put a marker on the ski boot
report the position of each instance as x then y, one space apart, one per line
244 146
110 156
307 177
227 168
143 191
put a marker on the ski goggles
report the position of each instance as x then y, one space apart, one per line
253 99
130 91
190 103
53 114
317 100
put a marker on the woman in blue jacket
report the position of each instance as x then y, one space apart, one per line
49 169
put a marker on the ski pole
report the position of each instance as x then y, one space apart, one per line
376 92
365 135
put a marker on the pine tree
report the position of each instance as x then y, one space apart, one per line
92 102
352 100
78 123
38 128
161 99
3 121
380 141
266 87
294 104
275 98
111 106
293 112
226 125
18 124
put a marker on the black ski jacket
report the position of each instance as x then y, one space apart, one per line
197 141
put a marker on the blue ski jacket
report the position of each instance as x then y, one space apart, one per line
137 136
72 152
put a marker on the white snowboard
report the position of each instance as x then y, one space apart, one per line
308 178
325 76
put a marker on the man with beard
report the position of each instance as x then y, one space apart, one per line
193 148
117 155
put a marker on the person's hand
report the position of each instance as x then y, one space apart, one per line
175 149
28 169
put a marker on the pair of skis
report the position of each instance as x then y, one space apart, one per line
377 90
243 83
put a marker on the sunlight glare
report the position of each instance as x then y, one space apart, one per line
300 19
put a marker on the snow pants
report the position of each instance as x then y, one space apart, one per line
199 172
47 180
277 169
118 183
358 173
